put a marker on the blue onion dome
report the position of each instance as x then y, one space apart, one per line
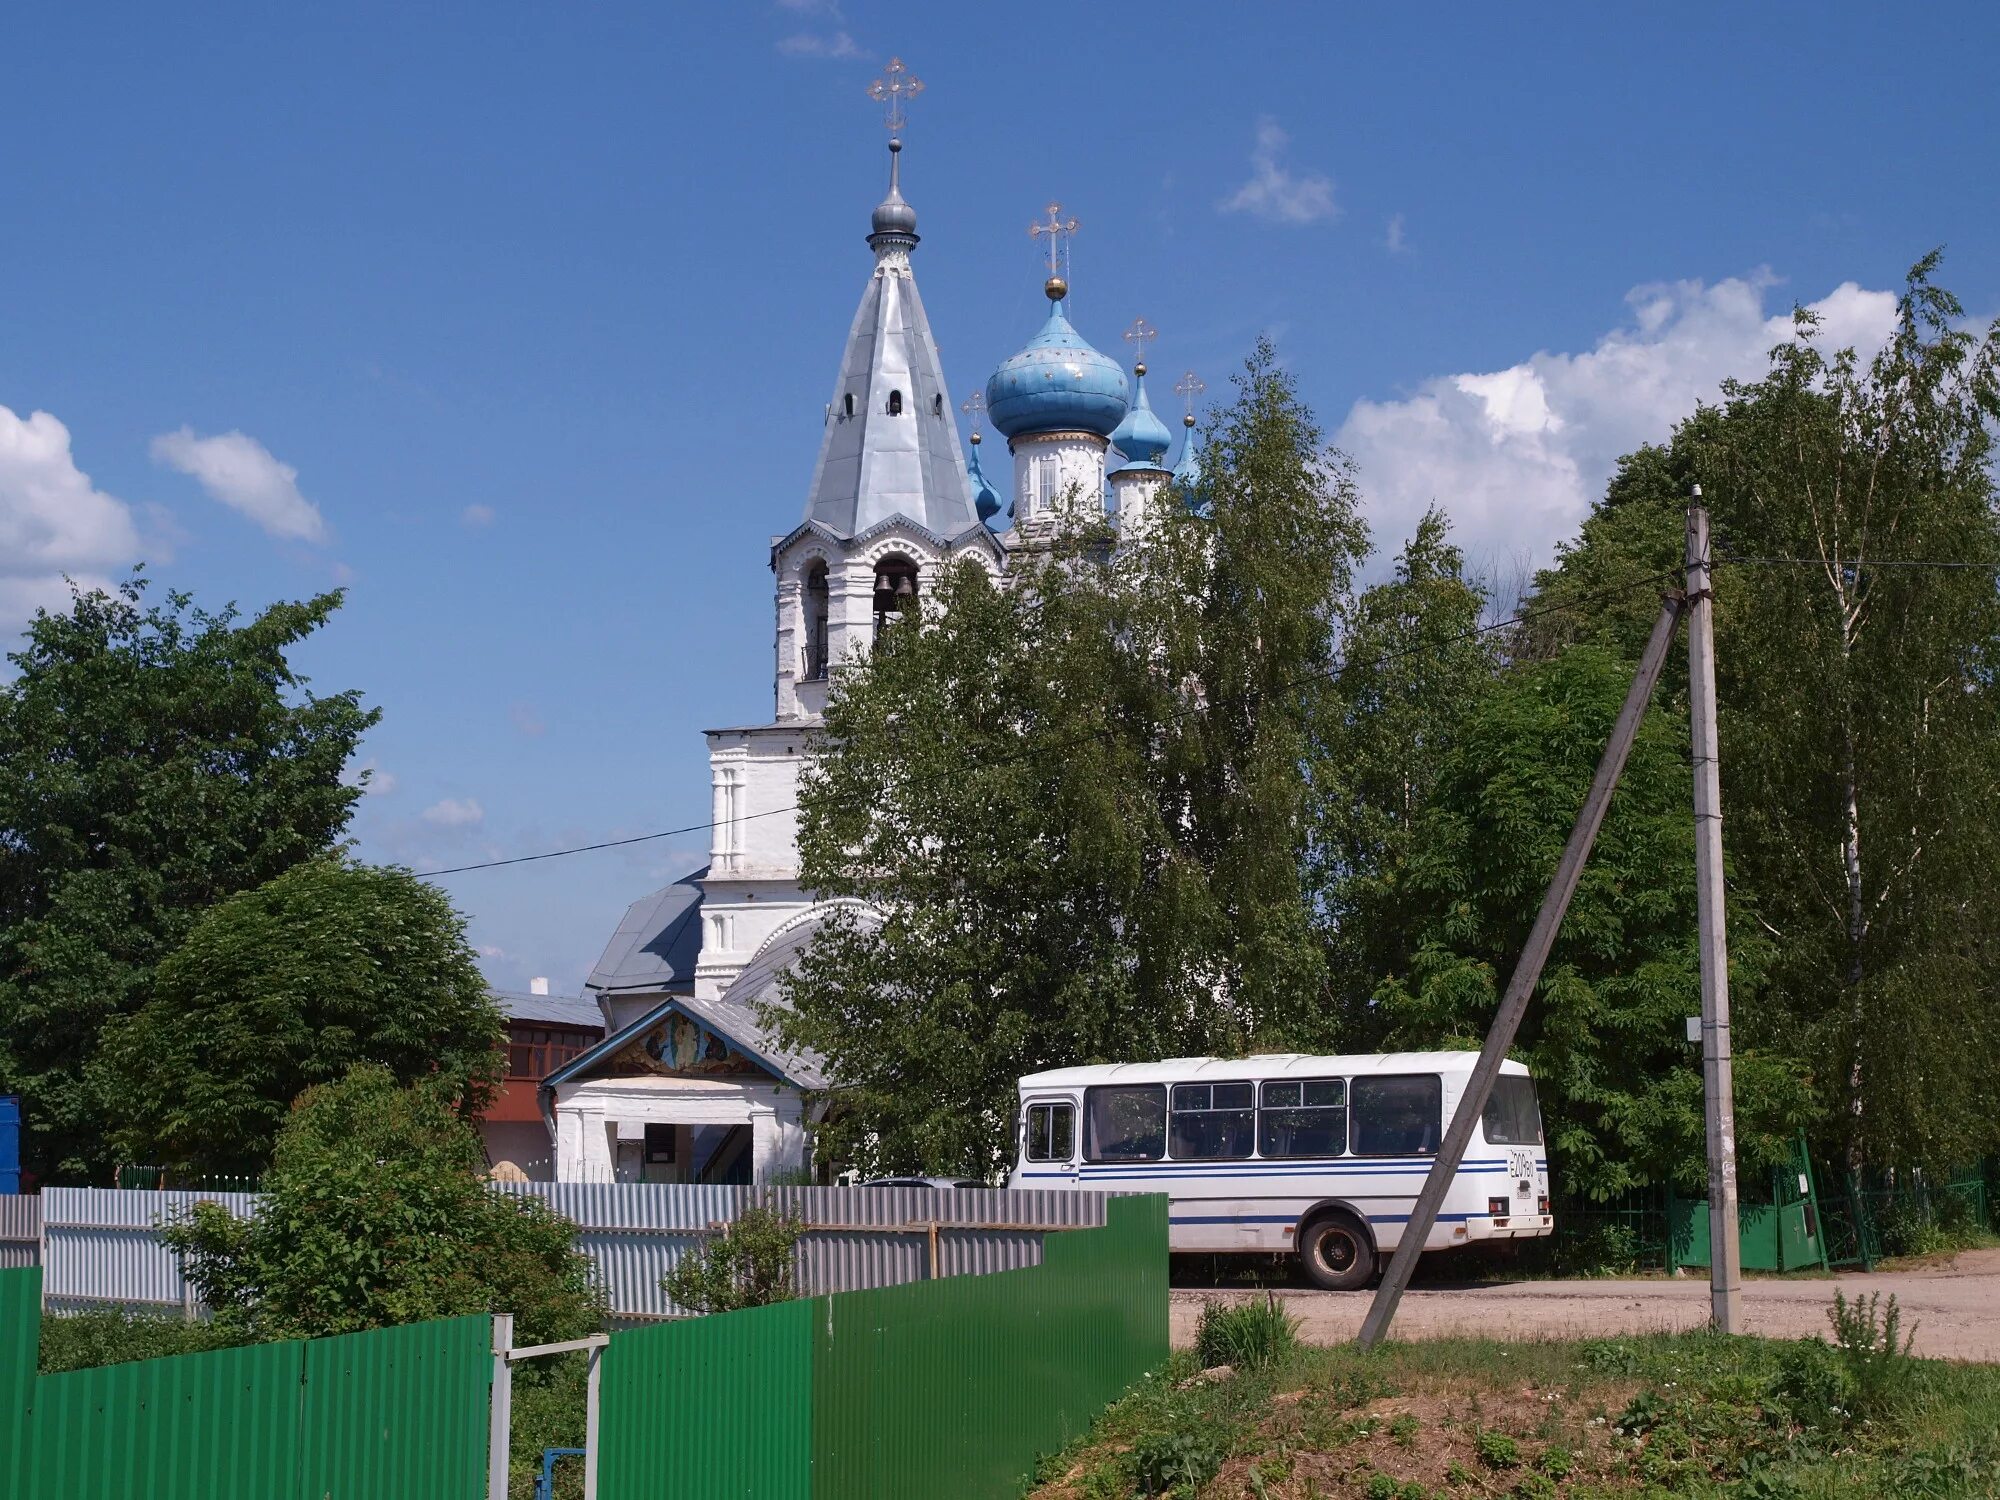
1142 437
1057 382
1187 473
985 499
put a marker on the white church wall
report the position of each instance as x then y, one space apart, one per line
599 1120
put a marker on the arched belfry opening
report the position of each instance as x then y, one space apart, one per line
895 588
895 403
815 621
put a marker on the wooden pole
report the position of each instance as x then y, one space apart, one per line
1527 974
1725 1251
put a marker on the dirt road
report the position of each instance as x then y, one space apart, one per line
1955 1307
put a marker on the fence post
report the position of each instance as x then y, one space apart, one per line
591 1423
500 1435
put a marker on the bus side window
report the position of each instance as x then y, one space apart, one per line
1038 1132
1303 1117
1213 1120
1062 1132
1398 1115
1051 1132
1127 1122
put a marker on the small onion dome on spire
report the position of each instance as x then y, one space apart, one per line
1187 473
893 216
1057 382
985 499
1142 437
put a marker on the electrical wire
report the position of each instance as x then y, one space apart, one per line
1331 668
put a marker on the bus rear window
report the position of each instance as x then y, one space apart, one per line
1125 1122
1510 1117
1397 1116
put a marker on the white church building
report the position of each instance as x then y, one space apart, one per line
688 1084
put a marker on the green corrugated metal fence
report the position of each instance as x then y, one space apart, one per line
395 1412
948 1387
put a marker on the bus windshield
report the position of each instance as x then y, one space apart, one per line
1511 1118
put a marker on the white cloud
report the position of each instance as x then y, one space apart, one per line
240 472
526 719
838 46
475 516
1516 456
1393 240
379 784
1275 193
454 812
53 521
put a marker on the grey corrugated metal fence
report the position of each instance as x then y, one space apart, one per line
102 1245
20 1231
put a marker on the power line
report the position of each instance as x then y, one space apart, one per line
1329 669
1859 562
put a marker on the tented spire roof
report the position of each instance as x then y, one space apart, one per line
891 445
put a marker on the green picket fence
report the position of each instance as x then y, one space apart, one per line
366 1416
948 1387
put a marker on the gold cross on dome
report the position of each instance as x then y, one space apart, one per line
1189 386
974 406
1139 335
893 90
1058 229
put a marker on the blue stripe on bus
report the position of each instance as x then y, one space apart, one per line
1293 1218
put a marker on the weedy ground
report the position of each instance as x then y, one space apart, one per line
1688 1414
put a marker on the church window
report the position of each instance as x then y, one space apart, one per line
847 403
895 403
815 622
1045 482
895 589
937 406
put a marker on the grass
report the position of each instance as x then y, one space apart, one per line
1689 1414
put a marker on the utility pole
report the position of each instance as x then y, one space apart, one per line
1725 1253
1527 974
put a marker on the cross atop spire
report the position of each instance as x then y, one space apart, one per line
1059 230
974 406
1139 335
893 91
1189 386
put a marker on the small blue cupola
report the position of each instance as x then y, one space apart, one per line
1142 437
985 499
1187 472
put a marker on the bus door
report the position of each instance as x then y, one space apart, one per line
1049 1139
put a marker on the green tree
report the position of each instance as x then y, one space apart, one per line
1414 665
152 762
1859 705
1068 815
1620 1087
749 1264
374 1214
276 989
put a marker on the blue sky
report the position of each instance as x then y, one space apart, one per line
518 320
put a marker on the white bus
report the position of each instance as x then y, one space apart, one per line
1319 1156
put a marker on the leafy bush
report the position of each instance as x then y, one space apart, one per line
748 1265
1381 1487
1811 1386
1497 1451
111 1336
1556 1461
1248 1336
374 1214
1878 1366
1910 1226
1177 1460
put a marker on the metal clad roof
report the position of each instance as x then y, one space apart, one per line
657 943
552 1010
1276 1065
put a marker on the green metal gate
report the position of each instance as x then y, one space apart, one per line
1785 1234
947 1387
397 1412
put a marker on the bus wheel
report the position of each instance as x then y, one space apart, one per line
1337 1253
